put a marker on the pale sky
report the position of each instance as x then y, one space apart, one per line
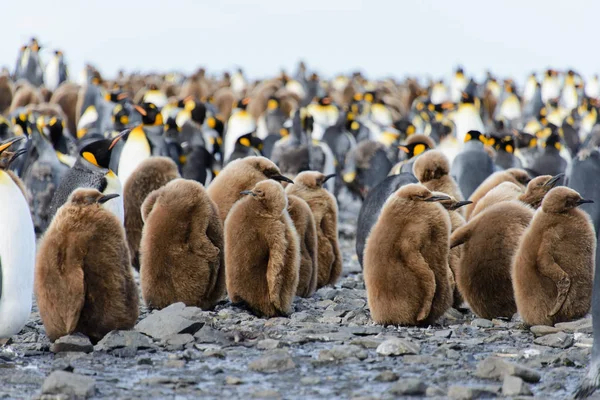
381 38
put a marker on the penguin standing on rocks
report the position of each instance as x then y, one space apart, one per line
150 175
240 175
304 223
262 252
372 205
473 164
406 259
554 265
92 170
366 166
83 278
308 185
181 250
17 254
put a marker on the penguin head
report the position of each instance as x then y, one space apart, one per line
415 192
507 144
249 141
84 197
451 204
7 157
467 98
520 175
98 153
273 104
475 136
21 124
116 96
270 195
416 145
405 127
553 141
243 103
197 110
120 117
311 180
431 165
561 200
171 128
4 128
216 124
150 114
264 166
525 140
52 128
538 187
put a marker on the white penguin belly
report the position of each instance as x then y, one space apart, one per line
114 205
17 256
467 119
329 167
134 152
511 108
51 77
240 124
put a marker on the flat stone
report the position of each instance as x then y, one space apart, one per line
386 376
310 380
275 361
266 394
397 347
74 385
582 325
74 343
268 344
124 339
497 368
210 335
435 391
543 330
233 380
472 392
514 386
409 387
217 353
366 343
444 333
338 353
558 340
482 323
177 342
169 321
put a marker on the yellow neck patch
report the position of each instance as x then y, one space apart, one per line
349 177
245 142
90 157
272 104
420 148
509 149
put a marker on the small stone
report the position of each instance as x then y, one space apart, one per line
233 380
175 364
177 342
496 368
444 333
338 353
73 385
266 394
514 386
467 392
583 325
558 340
397 347
409 387
276 361
310 380
169 321
74 343
145 361
543 330
210 335
434 391
268 344
217 353
366 343
386 376
124 339
482 323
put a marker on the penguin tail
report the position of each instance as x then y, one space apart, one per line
590 383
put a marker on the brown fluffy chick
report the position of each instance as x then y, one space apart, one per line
182 247
83 277
150 175
309 187
304 222
515 175
490 241
406 259
240 175
553 270
262 251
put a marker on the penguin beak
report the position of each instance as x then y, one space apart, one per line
248 192
5 145
554 181
282 178
437 198
404 149
460 204
16 154
108 197
328 177
122 96
584 201
118 137
140 110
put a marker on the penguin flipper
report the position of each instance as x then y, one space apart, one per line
549 268
330 230
70 288
277 255
148 204
461 235
425 275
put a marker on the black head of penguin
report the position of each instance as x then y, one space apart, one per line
98 153
243 103
21 124
525 140
507 143
53 129
4 129
414 149
493 140
171 128
120 117
475 136
150 114
324 101
405 127
552 142
116 96
249 142
197 110
216 124
467 98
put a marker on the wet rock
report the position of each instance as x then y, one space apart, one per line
177 364
74 385
514 386
310 380
124 339
543 330
177 342
468 392
276 361
497 368
268 344
558 340
408 387
343 352
482 323
73 343
583 325
397 347
367 343
233 380
217 353
209 335
170 321
386 376
444 333
434 391
266 394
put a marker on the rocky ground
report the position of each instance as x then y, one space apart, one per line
328 348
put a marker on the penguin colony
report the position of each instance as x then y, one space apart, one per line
475 194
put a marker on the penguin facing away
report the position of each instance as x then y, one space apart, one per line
304 222
262 252
83 278
17 255
182 257
308 185
472 165
150 175
406 259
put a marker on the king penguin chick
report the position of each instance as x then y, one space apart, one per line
150 175
406 259
17 255
262 252
83 278
240 175
490 241
552 272
309 187
517 176
304 223
181 251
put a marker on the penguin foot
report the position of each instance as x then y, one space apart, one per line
589 384
563 287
